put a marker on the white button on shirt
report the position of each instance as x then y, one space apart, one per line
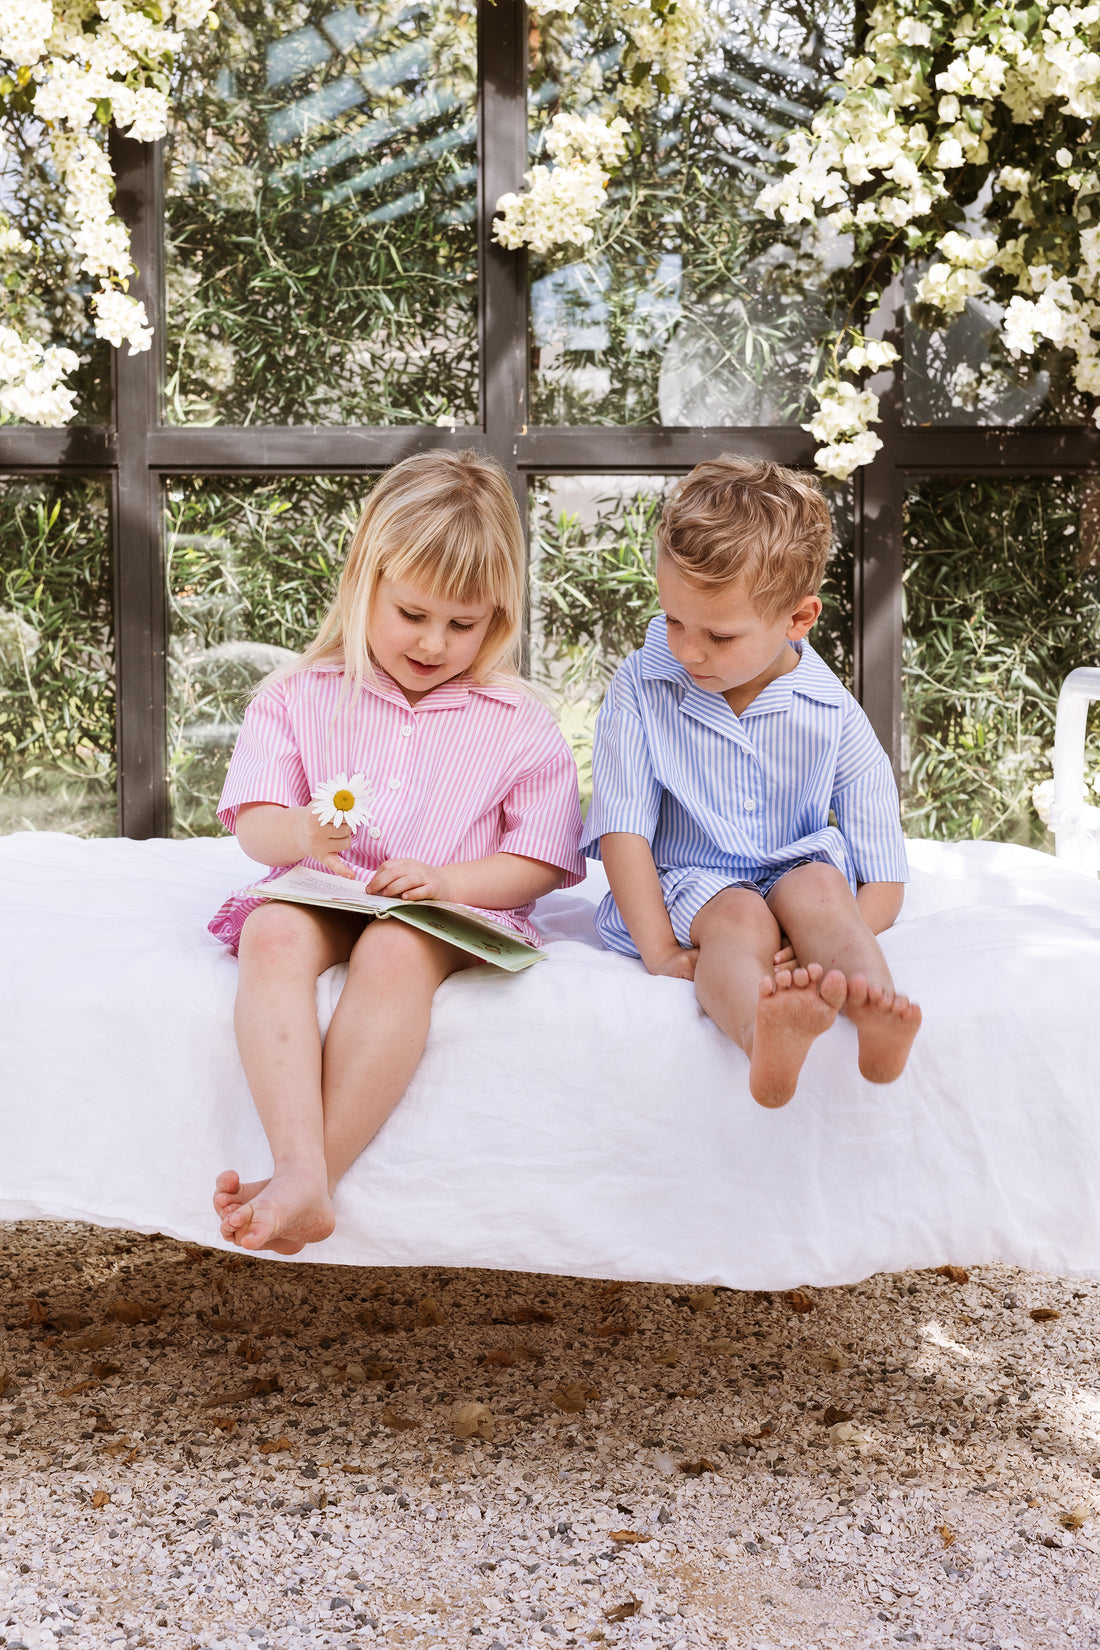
749 804
406 733
395 784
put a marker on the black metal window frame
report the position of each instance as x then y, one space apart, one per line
139 452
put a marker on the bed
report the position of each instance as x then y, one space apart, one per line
581 1118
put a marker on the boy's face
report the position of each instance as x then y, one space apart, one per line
723 641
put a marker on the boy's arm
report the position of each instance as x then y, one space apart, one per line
632 874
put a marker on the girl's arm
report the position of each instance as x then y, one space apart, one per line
274 835
498 883
628 860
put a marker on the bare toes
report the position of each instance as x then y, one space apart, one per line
834 989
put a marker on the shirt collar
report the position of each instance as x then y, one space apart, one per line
452 695
811 678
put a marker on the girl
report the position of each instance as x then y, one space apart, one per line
411 681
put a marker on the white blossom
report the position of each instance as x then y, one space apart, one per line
121 319
562 203
31 380
89 60
558 208
25 28
880 158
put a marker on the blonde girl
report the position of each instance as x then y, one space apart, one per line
412 681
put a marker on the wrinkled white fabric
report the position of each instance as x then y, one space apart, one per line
582 1118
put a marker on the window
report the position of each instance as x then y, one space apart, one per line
314 244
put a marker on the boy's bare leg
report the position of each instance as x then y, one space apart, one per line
817 909
283 949
378 1033
774 1016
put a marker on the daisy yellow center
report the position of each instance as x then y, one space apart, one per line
343 800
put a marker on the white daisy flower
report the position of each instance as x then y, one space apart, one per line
343 800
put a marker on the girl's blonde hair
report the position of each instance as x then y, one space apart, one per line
448 524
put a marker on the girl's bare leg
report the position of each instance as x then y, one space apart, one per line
773 1016
817 909
378 1033
283 949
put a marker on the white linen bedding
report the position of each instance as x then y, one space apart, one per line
582 1118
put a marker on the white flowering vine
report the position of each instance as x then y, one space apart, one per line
80 67
936 112
663 39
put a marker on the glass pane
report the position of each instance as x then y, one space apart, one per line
252 564
1002 601
321 193
47 296
593 592
963 374
688 307
57 673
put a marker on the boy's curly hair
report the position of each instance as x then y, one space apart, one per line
748 519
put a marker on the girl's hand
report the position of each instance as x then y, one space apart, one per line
678 964
785 958
324 843
410 879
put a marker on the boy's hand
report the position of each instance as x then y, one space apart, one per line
676 965
324 843
786 957
410 879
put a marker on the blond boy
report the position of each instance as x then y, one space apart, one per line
722 749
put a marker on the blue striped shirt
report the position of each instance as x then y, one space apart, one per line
744 795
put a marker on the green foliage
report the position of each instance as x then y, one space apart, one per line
57 687
322 255
252 564
1002 600
688 307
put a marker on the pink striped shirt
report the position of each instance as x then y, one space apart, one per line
472 769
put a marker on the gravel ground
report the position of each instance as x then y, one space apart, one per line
200 1449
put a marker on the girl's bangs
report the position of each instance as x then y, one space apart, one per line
454 567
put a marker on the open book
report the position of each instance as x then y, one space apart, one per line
483 938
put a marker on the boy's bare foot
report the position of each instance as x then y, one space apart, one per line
283 1213
793 1009
887 1024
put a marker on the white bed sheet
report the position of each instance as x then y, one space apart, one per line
582 1118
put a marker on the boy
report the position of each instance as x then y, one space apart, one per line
720 749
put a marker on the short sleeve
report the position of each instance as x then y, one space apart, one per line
865 801
266 765
626 793
542 811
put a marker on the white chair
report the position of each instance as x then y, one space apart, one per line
1075 823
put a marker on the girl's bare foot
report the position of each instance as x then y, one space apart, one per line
887 1024
793 1009
230 1192
283 1213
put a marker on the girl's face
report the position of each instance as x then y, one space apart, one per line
422 641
